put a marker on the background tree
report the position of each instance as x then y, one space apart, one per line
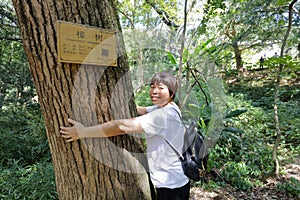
245 26
79 174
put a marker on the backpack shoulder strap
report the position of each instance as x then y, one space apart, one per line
172 147
175 150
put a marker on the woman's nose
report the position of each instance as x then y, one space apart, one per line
155 90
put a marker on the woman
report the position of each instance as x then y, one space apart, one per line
160 122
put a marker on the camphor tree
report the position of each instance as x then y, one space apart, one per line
89 168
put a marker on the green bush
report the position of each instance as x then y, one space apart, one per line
23 136
237 174
31 182
26 171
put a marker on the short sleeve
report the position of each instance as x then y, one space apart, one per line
154 122
151 108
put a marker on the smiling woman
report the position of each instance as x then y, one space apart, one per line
165 81
160 122
160 94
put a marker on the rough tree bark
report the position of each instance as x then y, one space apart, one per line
91 168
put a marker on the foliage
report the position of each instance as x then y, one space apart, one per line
237 145
26 168
34 181
292 187
23 126
15 80
210 185
288 61
142 97
244 149
237 174
248 25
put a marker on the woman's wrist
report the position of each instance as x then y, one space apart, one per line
91 132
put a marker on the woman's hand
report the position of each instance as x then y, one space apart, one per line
141 110
71 133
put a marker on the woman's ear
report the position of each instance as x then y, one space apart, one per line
171 97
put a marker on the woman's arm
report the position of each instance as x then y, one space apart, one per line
108 129
141 110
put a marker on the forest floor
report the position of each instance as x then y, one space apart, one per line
272 188
268 191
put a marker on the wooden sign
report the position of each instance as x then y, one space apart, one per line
86 45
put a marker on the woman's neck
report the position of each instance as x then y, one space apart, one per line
170 102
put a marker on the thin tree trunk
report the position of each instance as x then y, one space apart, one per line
230 32
277 88
238 58
91 168
181 53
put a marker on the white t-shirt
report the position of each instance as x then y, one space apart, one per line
164 165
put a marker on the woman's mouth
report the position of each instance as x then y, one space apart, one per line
154 98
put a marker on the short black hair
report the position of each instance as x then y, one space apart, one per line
168 79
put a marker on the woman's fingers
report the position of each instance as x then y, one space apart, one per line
70 140
65 134
71 121
65 130
69 133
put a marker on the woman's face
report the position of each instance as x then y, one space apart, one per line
159 94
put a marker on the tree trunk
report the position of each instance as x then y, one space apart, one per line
91 168
238 58
277 89
230 32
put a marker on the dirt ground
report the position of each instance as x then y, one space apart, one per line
268 192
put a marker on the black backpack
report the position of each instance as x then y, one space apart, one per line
194 155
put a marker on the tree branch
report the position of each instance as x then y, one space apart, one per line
164 15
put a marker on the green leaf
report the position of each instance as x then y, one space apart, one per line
236 113
194 109
233 130
204 44
185 55
172 58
